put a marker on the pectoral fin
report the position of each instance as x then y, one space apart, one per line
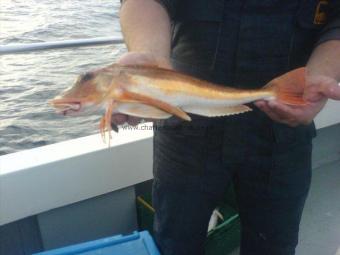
156 103
217 111
142 111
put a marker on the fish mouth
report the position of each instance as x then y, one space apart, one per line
66 106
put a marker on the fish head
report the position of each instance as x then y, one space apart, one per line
86 92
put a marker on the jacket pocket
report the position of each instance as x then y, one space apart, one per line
308 25
313 14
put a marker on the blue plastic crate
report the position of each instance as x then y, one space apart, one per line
138 243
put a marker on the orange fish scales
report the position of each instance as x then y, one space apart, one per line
196 89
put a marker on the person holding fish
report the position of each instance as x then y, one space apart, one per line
265 152
275 63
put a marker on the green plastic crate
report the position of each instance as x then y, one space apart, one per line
221 240
225 237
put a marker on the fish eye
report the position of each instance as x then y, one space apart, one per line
86 77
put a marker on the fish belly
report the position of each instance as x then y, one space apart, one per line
201 105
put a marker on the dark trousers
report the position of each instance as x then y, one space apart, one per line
194 164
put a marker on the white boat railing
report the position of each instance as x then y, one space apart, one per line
48 177
51 176
29 47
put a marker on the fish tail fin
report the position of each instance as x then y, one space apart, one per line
289 87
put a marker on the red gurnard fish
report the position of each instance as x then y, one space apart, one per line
156 93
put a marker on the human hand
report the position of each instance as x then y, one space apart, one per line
293 115
329 88
137 58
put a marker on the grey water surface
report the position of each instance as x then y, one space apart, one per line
28 81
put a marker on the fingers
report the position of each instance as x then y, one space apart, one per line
288 114
321 87
336 92
133 121
313 94
284 114
119 119
277 116
331 91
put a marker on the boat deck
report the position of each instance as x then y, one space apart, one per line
320 226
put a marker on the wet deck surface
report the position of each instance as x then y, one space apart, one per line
320 226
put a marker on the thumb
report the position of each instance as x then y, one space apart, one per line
313 94
332 91
320 87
